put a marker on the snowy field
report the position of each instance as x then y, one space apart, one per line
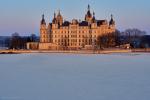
75 77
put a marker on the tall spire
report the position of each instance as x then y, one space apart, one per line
93 19
59 18
43 20
93 13
54 19
111 16
88 7
43 16
112 22
59 12
89 12
88 16
54 15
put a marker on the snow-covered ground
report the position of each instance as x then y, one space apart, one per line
75 77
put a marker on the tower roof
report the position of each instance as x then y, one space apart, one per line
43 20
54 19
59 14
111 22
93 19
89 12
88 7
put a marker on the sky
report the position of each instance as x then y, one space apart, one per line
23 16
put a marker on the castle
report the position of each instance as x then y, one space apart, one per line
61 34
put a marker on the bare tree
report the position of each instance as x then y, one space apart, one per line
108 40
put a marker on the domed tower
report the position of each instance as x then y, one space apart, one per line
88 16
59 18
43 31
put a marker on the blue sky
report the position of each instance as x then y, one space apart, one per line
24 16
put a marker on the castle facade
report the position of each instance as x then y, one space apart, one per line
75 34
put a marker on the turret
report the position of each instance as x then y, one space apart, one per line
59 18
93 19
43 31
54 19
94 23
88 16
111 22
43 20
43 23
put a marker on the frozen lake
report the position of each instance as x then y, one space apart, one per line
75 77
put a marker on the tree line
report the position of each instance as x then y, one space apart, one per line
134 37
20 42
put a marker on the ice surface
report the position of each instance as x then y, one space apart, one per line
75 77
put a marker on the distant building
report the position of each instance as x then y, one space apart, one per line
75 34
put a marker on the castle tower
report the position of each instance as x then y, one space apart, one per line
44 36
93 19
59 18
94 23
54 19
54 22
88 16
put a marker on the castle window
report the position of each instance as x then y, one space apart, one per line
86 40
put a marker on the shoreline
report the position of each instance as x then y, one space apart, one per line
107 51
